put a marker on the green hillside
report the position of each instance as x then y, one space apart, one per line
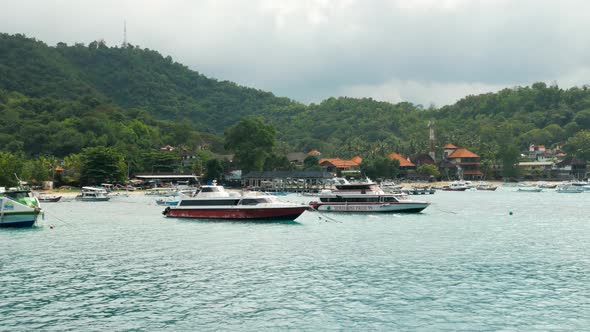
57 100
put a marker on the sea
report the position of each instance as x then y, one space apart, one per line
472 261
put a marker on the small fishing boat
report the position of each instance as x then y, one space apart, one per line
530 189
167 202
44 198
546 185
18 208
485 186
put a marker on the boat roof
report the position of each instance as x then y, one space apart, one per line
93 189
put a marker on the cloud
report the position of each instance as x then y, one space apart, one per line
414 50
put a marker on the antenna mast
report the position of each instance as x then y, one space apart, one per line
125 33
431 139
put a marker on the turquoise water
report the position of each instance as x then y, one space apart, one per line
464 263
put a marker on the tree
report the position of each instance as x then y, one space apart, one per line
9 166
428 169
101 164
311 163
380 167
579 145
213 170
252 141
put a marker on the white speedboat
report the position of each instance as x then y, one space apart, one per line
93 194
364 197
213 202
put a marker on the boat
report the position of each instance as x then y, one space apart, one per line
364 197
48 198
166 202
529 189
570 189
546 185
18 208
456 186
163 192
93 194
486 186
214 202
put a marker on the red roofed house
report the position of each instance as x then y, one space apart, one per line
465 162
336 164
404 163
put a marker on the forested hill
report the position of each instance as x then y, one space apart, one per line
136 98
129 77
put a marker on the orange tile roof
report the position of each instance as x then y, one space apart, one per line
314 153
450 146
403 162
339 163
58 169
357 159
462 153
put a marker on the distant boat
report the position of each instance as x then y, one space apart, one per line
93 194
166 203
570 189
48 199
456 186
530 189
485 186
18 208
545 185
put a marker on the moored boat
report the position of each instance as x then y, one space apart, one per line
456 186
364 197
530 189
570 189
485 186
48 198
213 202
93 194
18 208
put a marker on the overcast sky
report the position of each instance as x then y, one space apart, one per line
421 51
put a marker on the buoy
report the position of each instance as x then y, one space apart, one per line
510 213
51 226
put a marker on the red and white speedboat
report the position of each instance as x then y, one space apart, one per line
365 197
213 202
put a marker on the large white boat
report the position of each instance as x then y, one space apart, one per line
365 197
214 202
93 194
457 186
18 208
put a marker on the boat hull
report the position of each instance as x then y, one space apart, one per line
19 219
278 213
370 208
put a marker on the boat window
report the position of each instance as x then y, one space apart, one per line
208 202
253 201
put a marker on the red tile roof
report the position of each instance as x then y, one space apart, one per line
357 159
403 162
450 146
338 163
462 153
314 153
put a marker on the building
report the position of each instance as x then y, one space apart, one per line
296 158
462 163
335 165
293 181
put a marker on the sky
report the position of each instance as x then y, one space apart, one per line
428 52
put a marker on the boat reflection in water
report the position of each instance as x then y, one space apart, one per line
213 202
364 197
